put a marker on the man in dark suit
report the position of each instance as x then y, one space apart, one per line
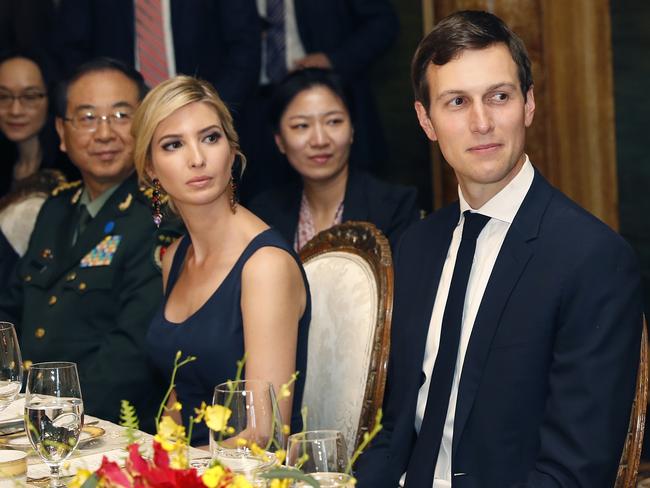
217 40
517 314
88 286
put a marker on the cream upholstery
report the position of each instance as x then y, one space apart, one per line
344 314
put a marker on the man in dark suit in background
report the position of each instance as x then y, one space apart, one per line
517 314
217 40
348 36
87 287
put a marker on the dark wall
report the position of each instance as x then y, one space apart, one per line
408 160
631 52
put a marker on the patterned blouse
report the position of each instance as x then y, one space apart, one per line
306 229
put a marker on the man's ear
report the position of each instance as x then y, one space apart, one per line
425 121
58 124
529 107
279 143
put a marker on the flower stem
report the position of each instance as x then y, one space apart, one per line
367 437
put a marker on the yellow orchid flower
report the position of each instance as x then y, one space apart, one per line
280 454
239 481
285 389
79 478
216 417
285 483
212 476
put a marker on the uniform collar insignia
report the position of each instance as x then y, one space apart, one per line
76 196
126 203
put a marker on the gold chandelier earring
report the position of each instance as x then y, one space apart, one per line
233 195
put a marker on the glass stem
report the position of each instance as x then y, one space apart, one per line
54 476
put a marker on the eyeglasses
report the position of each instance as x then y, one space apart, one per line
27 99
88 121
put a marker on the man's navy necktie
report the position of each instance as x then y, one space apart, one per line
422 464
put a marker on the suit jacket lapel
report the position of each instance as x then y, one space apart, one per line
510 264
62 243
424 279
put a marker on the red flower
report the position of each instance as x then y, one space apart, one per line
112 472
147 474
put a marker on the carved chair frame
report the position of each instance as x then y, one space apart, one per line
366 241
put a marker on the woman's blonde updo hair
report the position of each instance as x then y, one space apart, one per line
163 101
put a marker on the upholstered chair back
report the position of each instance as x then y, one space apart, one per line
349 270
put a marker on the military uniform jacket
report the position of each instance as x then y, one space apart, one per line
91 302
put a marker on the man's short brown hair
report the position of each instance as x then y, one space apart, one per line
466 29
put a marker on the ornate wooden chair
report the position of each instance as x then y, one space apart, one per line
350 273
629 465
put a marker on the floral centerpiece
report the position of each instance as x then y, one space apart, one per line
169 465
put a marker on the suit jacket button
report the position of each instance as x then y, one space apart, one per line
40 333
28 278
71 276
52 300
82 286
27 364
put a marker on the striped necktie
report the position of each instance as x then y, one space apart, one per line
276 48
150 38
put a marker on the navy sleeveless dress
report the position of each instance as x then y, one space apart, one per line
215 335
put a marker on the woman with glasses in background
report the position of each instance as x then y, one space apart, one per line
27 167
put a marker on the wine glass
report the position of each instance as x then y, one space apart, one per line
54 413
254 429
321 454
11 365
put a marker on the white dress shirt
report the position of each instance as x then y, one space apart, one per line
293 44
502 209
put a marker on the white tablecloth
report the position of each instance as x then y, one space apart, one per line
89 454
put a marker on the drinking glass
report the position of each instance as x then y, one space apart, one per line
321 454
317 451
254 431
54 413
11 365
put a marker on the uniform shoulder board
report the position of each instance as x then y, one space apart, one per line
65 186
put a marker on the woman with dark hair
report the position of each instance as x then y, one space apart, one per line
313 128
26 119
27 171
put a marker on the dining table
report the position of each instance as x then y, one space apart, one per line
99 438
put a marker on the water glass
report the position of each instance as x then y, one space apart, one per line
318 451
11 365
54 413
253 433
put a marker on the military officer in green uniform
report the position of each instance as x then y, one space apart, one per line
88 285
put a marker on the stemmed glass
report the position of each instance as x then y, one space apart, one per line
321 454
11 365
54 413
254 430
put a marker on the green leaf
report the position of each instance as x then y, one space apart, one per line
292 474
91 482
129 419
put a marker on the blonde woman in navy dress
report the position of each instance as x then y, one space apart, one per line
232 285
